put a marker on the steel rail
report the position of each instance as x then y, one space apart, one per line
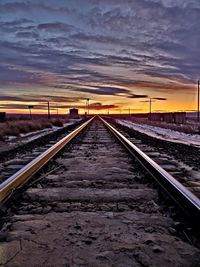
185 199
19 178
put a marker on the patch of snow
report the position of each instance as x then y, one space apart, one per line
34 135
36 132
11 137
27 137
162 133
52 129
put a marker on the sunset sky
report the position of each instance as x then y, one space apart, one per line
118 53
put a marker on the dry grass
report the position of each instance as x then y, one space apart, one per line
57 122
15 128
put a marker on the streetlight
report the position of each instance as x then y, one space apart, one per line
49 115
150 106
153 99
87 104
30 108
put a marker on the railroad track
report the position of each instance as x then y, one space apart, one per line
180 160
16 158
96 208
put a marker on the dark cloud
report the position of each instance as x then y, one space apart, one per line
94 106
15 6
154 99
55 27
170 85
21 106
10 98
100 106
40 98
18 22
104 90
137 96
26 34
28 6
160 98
14 26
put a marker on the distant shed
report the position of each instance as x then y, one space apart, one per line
73 113
180 117
156 116
168 117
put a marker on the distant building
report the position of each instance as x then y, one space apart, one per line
156 117
73 113
2 116
180 117
169 117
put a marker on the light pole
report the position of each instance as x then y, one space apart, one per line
153 99
150 105
87 105
86 108
30 108
49 115
198 117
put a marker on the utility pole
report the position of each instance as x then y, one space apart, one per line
198 117
30 108
57 110
86 108
150 108
49 115
88 105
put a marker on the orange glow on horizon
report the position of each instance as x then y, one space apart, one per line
108 104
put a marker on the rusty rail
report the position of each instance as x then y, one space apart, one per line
185 199
19 178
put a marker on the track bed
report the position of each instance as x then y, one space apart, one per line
96 209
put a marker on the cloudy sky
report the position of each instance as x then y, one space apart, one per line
118 53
